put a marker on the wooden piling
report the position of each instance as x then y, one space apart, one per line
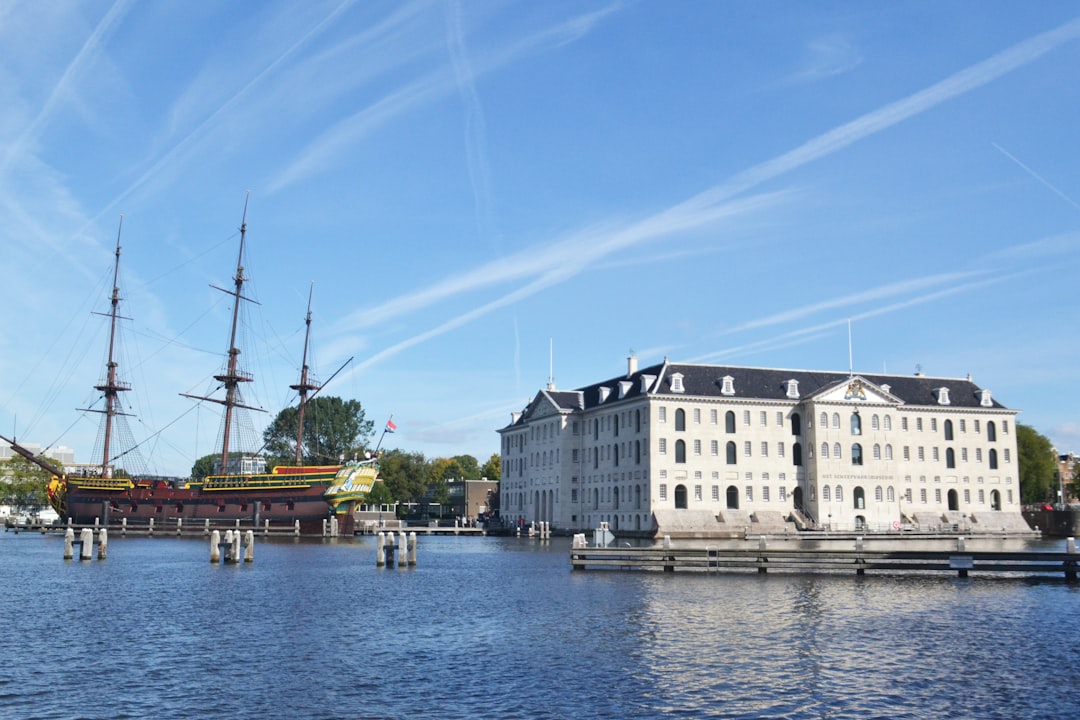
249 546
215 546
87 537
69 543
103 544
380 545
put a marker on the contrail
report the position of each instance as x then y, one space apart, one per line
1037 176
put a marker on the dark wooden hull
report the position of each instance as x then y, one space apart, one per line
252 507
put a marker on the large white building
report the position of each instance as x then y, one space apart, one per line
700 450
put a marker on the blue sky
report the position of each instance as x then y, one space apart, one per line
485 193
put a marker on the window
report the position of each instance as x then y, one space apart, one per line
662 449
680 451
680 420
824 451
836 451
991 431
824 421
888 452
716 493
907 453
922 454
839 494
731 453
950 458
903 424
918 424
663 491
779 449
697 416
747 450
934 453
713 416
888 423
676 382
763 418
875 422
978 455
967 496
877 494
836 421
856 423
856 454
779 418
796 424
697 447
922 495
937 495
890 494
825 493
877 451
729 421
746 417
963 454
933 424
765 449
1006 455
714 447
697 493
993 459
661 414
948 431
727 386
765 492
796 455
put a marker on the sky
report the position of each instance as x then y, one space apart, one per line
482 197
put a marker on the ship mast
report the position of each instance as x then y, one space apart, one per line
303 387
112 387
233 375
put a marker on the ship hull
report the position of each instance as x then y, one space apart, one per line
165 506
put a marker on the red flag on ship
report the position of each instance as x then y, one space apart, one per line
390 426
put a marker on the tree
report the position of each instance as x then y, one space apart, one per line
379 495
492 469
405 475
206 465
333 429
1038 465
24 485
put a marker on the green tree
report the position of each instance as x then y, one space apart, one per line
404 474
492 469
206 465
333 429
1038 465
24 484
379 495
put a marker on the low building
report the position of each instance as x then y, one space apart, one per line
705 450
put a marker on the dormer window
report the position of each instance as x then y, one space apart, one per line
604 392
793 389
624 387
727 385
984 398
887 388
676 382
646 383
943 396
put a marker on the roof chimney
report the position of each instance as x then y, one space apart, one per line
631 365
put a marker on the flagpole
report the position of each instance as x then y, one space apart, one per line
384 430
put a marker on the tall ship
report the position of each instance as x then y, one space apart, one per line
241 488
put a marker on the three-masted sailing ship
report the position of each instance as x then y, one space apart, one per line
240 489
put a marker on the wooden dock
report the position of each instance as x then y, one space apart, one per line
857 560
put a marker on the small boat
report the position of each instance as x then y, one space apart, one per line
241 489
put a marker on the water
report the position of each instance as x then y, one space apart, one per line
502 628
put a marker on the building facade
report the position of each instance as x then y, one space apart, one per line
703 449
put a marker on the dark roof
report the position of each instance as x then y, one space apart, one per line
762 384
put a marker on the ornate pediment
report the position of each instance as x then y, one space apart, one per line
856 390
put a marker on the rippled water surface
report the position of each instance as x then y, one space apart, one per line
502 628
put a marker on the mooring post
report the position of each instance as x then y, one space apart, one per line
179 525
206 527
151 531
412 548
123 527
87 550
324 527
103 544
961 544
859 561
1070 564
266 527
234 547
249 546
215 546
380 545
296 528
69 543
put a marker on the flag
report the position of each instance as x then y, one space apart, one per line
390 426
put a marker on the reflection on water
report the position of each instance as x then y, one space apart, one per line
502 628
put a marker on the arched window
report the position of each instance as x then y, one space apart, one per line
836 451
877 494
824 451
825 493
859 496
824 421
877 451
890 494
888 422
731 455
680 497
796 424
888 452
729 421
637 452
991 431
856 454
856 423
616 427
875 422
680 420
948 431
993 459
839 494
680 451
615 455
615 498
732 497
836 421
950 458
796 454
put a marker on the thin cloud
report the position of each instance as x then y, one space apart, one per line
827 57
1037 176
